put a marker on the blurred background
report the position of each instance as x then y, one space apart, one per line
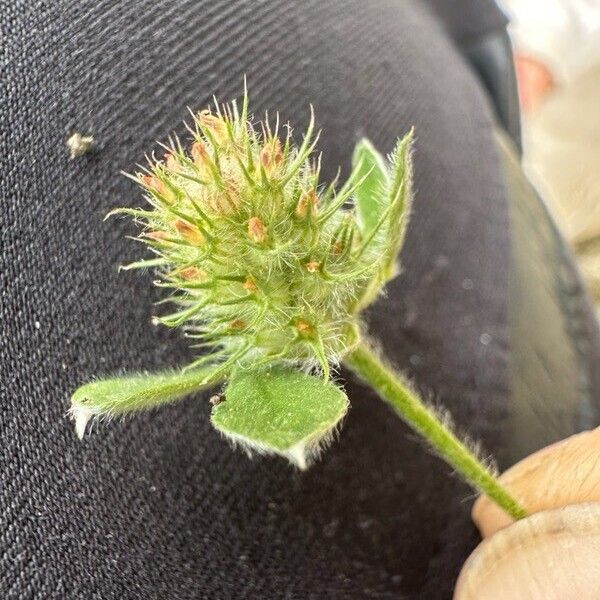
557 58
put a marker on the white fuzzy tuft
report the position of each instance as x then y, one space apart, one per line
81 415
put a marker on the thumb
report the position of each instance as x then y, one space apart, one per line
552 555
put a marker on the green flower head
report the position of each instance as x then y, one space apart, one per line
262 261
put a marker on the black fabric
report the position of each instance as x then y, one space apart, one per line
492 59
478 28
158 505
467 20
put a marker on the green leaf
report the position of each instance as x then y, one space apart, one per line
280 411
121 395
399 198
368 195
388 233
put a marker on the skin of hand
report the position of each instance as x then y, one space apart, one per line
555 552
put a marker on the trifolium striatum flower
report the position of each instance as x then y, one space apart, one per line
261 260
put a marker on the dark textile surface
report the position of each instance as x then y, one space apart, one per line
158 506
465 20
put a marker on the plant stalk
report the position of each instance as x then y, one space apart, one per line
364 361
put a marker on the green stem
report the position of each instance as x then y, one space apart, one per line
392 388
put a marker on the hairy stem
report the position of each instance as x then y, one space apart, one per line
394 390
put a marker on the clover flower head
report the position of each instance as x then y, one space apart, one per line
263 262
